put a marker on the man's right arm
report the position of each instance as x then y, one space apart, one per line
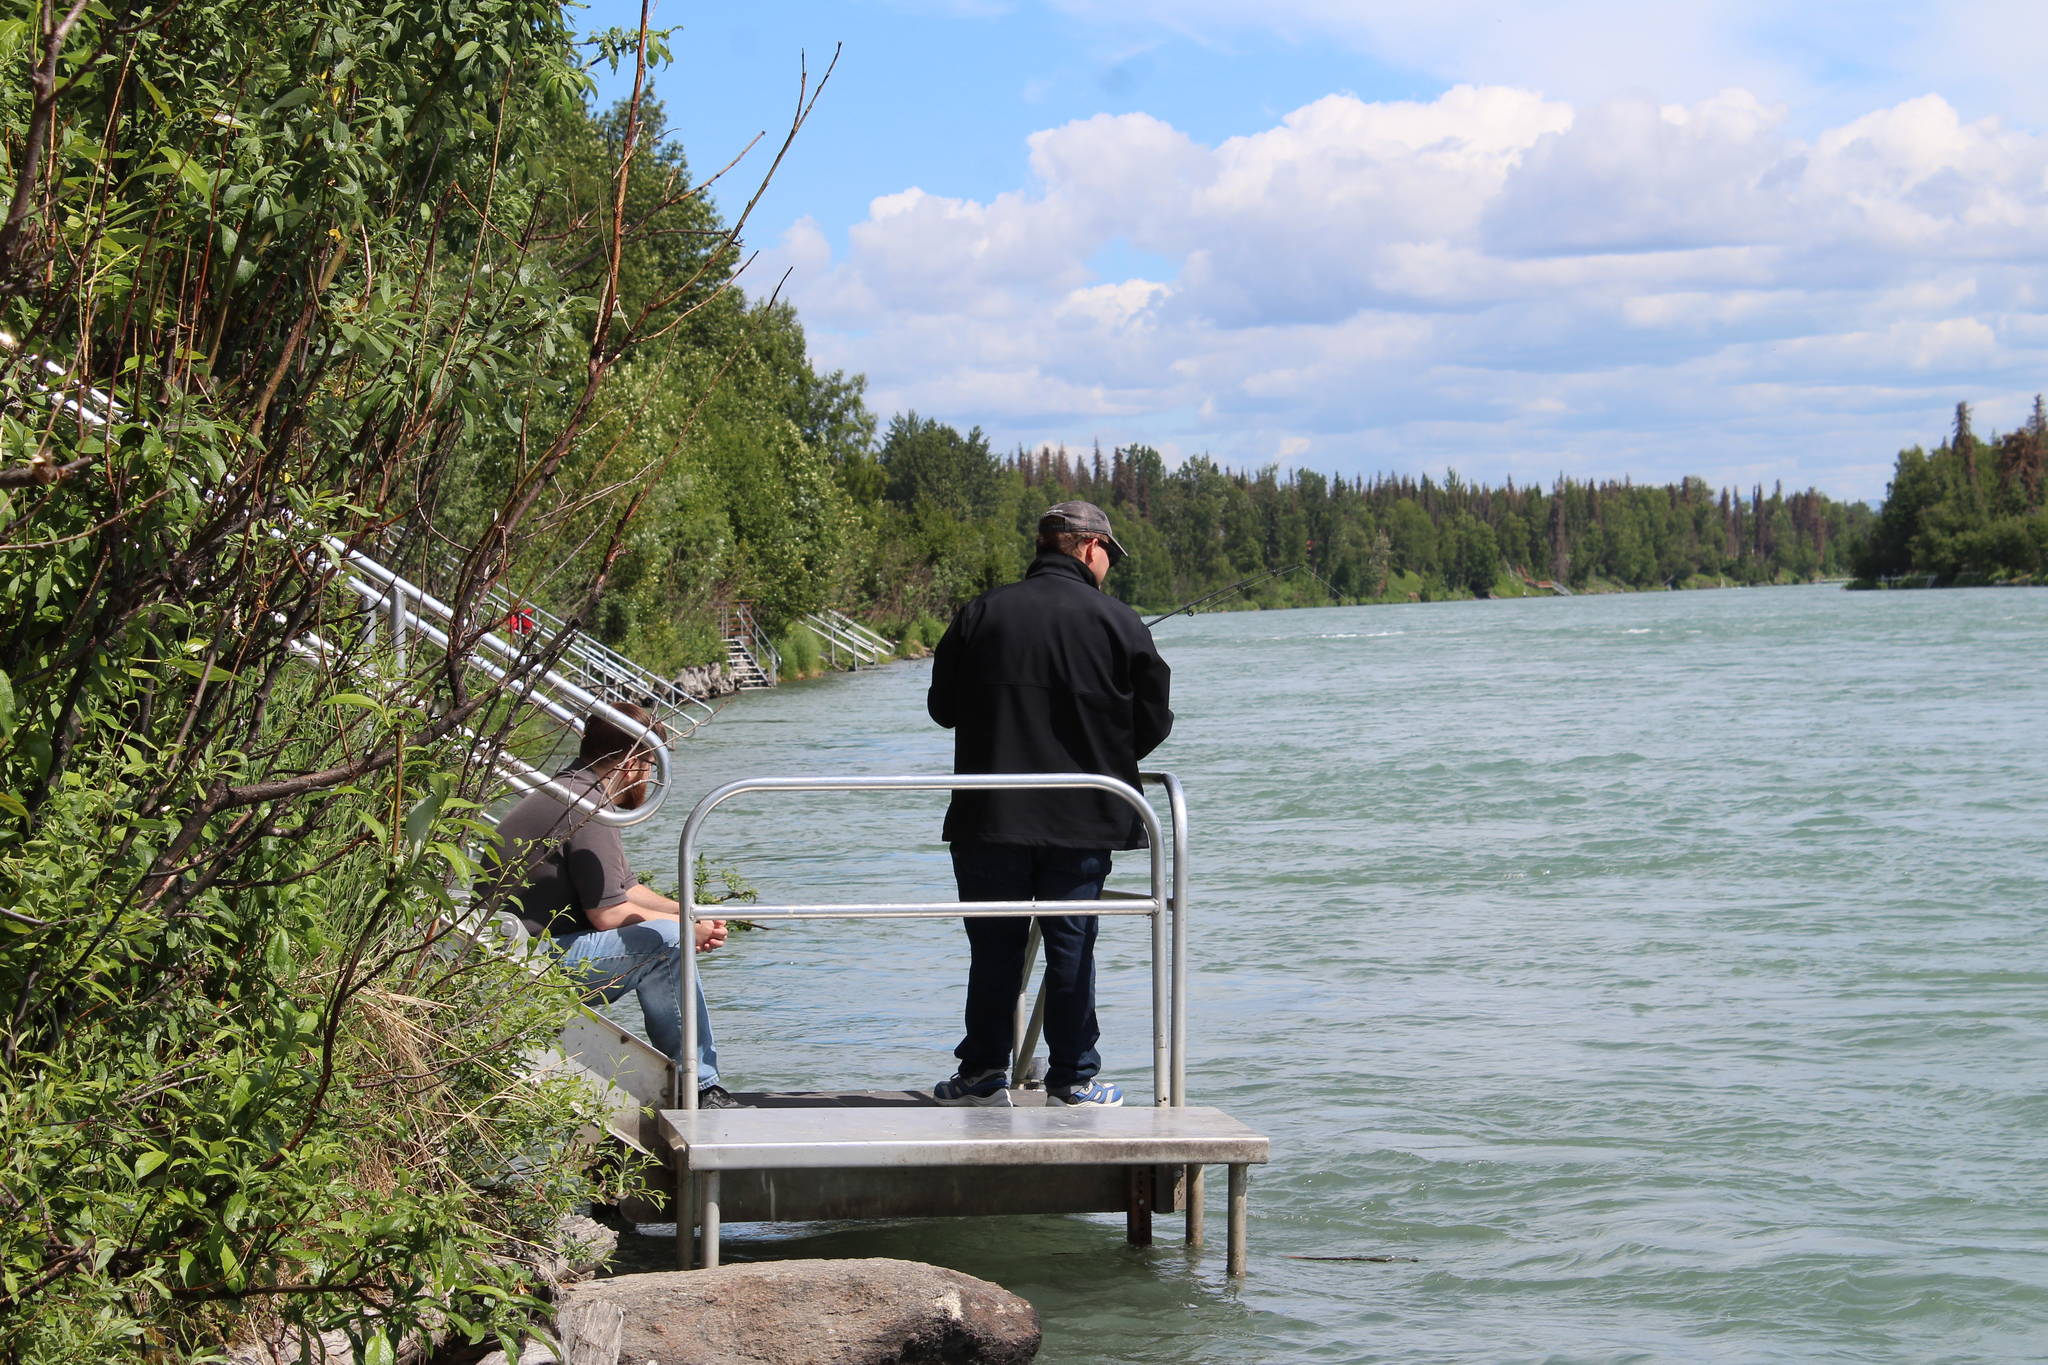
1151 690
644 903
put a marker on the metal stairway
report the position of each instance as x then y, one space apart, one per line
839 632
749 656
591 664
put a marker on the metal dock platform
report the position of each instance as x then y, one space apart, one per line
771 1164
900 1154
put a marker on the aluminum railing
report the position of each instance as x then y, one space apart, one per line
839 632
835 639
406 609
1168 896
860 632
596 666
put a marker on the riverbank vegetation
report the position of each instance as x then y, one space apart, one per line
278 282
1971 511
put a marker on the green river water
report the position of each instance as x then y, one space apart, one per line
1658 977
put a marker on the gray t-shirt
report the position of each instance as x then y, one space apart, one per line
554 864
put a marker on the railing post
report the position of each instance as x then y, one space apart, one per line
395 600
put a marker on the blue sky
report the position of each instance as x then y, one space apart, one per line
1598 237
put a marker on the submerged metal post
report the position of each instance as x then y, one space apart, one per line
1240 1176
1138 1213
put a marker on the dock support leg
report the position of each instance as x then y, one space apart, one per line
711 1220
1138 1209
1239 1178
1195 1186
686 1218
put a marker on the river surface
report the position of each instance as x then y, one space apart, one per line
1652 978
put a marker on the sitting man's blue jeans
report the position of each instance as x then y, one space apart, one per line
1006 872
646 958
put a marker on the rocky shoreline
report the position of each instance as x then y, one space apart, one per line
707 680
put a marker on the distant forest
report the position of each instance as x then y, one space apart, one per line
1972 511
1198 527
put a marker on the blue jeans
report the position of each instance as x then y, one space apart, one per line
646 958
1007 872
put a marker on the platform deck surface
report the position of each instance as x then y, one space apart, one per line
930 1135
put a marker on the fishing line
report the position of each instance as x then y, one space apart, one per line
1240 586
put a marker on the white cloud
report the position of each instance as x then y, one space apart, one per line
1117 307
1498 271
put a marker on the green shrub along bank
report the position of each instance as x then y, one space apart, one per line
271 273
803 653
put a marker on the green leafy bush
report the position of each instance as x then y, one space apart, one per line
275 278
803 654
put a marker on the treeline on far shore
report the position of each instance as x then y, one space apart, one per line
942 517
1971 511
963 519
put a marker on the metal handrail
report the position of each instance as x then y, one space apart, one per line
841 632
521 776
1169 1008
1031 1022
736 622
593 660
390 592
837 639
859 631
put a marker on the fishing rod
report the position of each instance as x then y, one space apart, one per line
1240 586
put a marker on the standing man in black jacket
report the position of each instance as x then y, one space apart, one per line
1045 675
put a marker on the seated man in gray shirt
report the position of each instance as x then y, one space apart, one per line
566 876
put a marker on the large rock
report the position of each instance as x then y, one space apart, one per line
583 1247
871 1312
707 680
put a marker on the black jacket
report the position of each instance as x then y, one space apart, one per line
1049 675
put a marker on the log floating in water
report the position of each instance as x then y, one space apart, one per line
1297 1256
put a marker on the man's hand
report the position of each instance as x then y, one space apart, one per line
710 934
